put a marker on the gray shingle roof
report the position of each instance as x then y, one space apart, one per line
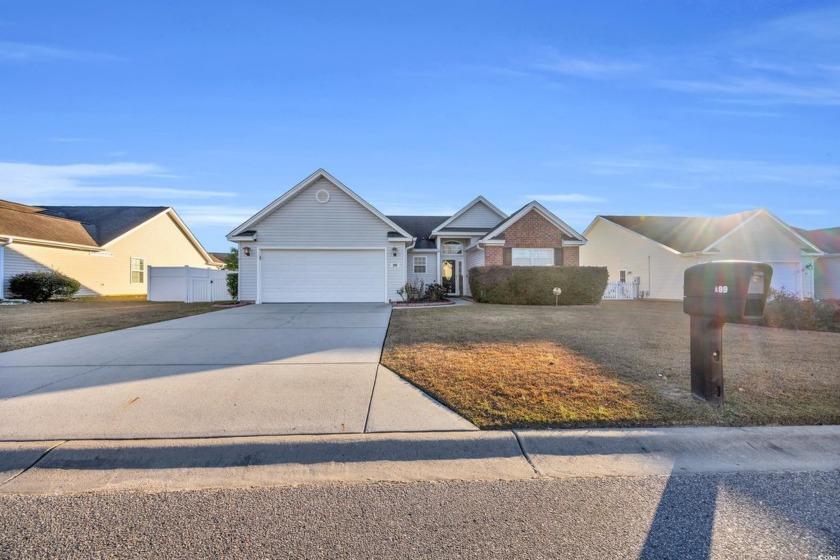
76 225
683 234
420 227
827 240
19 220
105 223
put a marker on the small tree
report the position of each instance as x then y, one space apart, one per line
42 285
232 262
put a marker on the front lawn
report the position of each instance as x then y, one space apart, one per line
616 364
32 324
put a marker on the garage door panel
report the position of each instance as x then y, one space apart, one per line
356 275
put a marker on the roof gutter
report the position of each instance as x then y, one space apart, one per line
51 243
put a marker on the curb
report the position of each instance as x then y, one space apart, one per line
189 464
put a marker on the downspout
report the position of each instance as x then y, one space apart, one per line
3 266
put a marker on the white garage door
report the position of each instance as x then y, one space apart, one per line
322 275
786 275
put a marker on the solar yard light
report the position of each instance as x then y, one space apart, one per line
716 293
557 292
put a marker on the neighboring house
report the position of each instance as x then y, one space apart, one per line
654 251
827 267
220 259
321 242
108 249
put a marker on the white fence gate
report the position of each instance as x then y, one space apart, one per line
622 290
187 284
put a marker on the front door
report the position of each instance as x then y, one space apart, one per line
450 276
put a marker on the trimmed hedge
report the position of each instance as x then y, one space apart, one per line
534 285
42 285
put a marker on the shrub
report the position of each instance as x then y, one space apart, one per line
412 291
435 292
42 285
233 285
534 285
787 311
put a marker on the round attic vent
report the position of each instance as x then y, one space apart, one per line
322 196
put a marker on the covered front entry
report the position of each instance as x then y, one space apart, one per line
452 275
321 275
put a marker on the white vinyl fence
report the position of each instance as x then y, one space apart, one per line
622 290
187 284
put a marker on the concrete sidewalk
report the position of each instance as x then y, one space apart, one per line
184 464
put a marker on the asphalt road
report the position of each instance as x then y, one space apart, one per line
785 515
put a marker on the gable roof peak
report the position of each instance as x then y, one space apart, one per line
477 200
540 209
693 234
314 176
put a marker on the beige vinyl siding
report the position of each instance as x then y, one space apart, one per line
762 239
159 242
431 274
19 258
479 215
617 248
827 278
303 222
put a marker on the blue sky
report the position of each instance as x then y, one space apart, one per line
216 108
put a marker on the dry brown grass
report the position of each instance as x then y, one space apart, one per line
33 324
617 364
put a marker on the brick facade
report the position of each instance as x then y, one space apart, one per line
532 231
571 256
492 255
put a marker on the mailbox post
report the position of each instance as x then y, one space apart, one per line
717 293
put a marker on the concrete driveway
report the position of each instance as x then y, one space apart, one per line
255 370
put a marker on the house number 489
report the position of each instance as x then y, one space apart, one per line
721 289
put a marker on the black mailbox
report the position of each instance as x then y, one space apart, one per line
717 293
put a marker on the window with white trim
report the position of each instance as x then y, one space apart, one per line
452 248
532 257
419 265
138 270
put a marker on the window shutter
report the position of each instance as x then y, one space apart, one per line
558 256
507 256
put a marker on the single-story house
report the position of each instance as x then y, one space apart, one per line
106 248
827 266
654 251
220 259
321 242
